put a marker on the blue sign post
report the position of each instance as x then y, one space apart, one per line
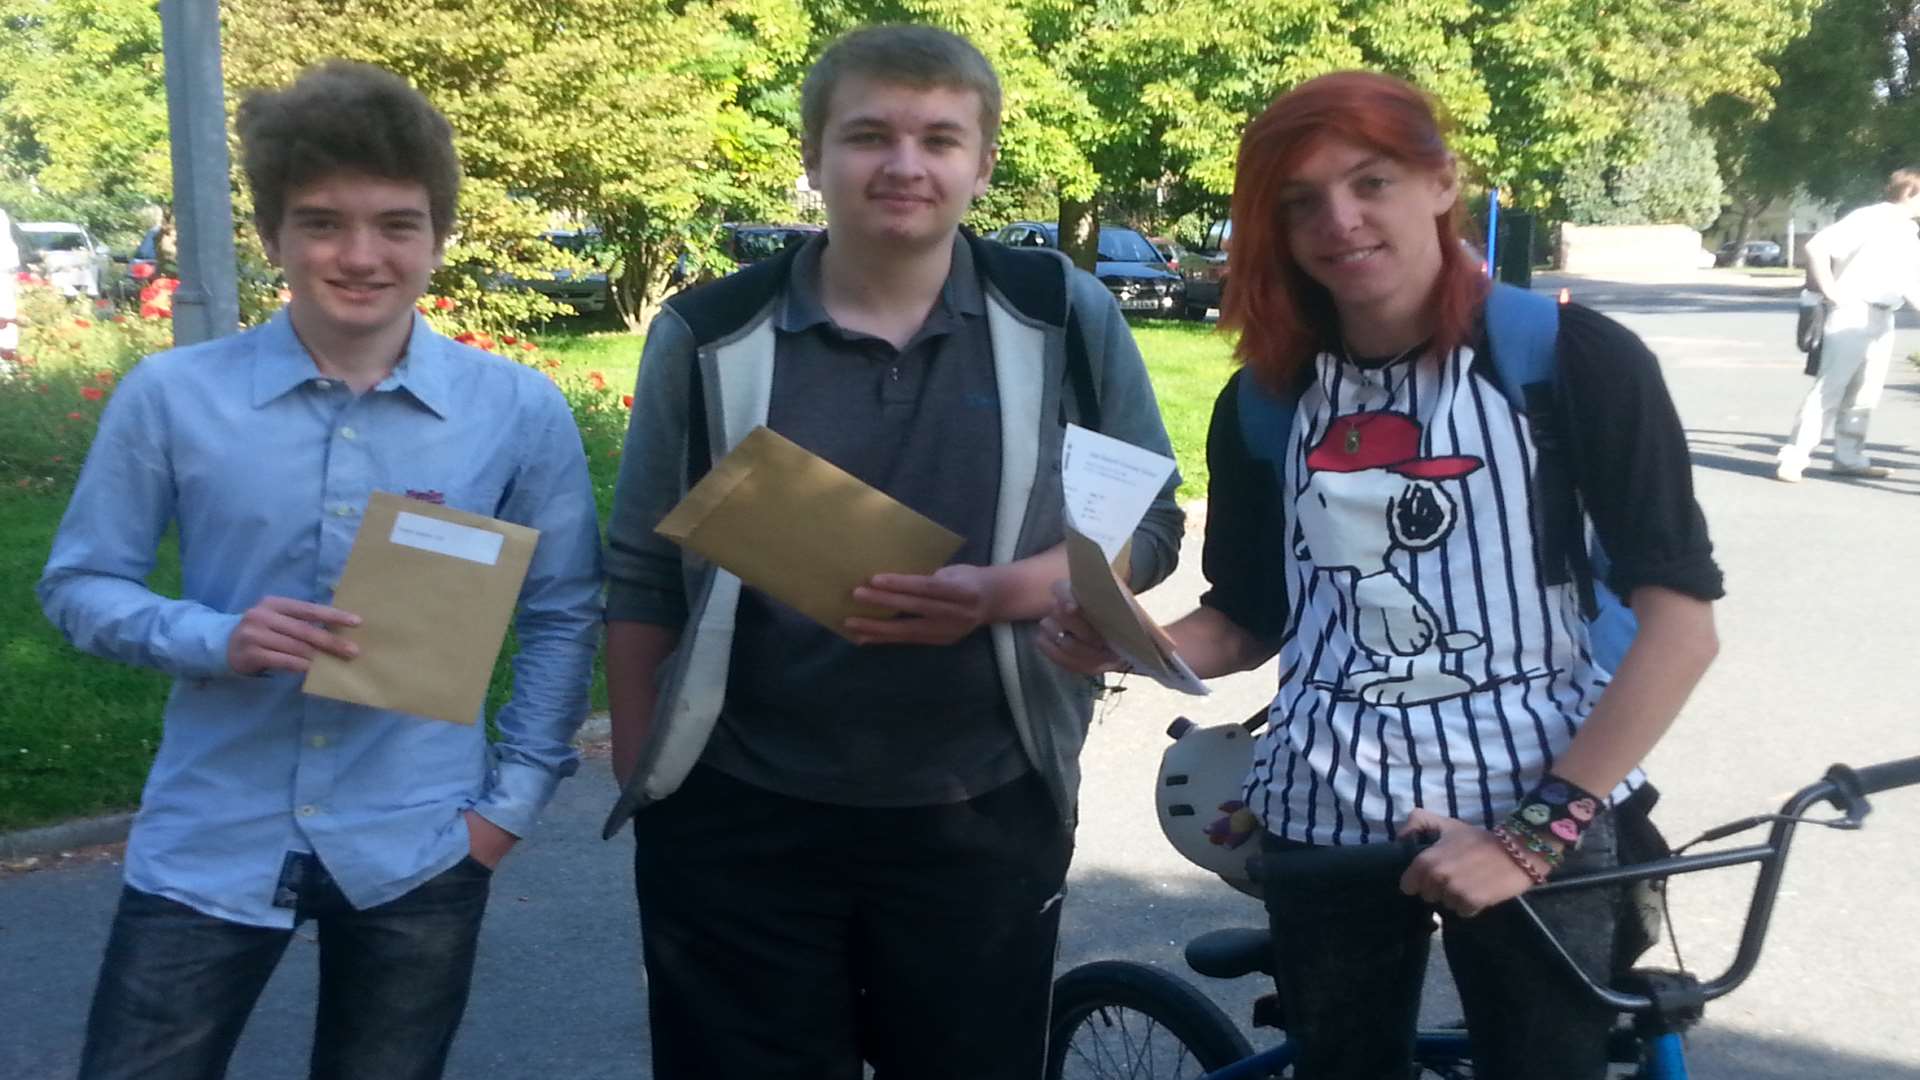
1493 229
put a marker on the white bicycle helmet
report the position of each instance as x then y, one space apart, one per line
1199 796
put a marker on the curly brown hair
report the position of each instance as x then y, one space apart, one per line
341 116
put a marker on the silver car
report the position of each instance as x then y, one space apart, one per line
66 255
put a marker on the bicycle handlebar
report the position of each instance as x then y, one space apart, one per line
1845 788
1885 776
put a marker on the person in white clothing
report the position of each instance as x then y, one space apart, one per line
1867 265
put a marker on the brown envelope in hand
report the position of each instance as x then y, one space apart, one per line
434 589
803 530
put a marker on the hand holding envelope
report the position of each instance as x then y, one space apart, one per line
803 530
1109 484
434 589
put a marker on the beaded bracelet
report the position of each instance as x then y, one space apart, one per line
1535 842
1518 856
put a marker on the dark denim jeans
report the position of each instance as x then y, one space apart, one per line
177 985
790 940
1351 957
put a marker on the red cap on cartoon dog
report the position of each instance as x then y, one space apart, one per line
1357 442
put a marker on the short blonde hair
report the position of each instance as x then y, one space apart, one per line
1904 184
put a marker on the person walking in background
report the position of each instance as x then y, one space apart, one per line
267 808
1866 265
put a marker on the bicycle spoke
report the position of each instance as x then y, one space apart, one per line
1124 1044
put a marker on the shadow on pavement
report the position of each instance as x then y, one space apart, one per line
1751 453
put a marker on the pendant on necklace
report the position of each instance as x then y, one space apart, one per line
1353 440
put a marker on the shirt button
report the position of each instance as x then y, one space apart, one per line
342 510
318 742
307 811
348 434
322 384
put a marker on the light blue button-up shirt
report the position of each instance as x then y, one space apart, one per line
266 467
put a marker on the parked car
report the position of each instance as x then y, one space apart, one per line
1759 253
1127 264
745 243
1205 269
66 255
586 293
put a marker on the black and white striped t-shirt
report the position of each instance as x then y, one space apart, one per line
1423 660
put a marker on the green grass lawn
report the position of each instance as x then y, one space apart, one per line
78 733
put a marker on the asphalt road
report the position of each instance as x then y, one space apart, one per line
1816 630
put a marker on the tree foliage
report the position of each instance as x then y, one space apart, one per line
656 120
1661 171
83 111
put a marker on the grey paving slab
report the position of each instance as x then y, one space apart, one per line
1817 653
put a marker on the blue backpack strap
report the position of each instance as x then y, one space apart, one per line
1266 418
1522 331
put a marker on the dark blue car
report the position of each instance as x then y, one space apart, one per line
1130 268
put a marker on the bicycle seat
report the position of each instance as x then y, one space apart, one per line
1230 954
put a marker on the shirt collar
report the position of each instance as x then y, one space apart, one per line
281 363
803 308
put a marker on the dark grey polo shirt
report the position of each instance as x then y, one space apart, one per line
808 714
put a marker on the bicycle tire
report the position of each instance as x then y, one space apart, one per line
1104 993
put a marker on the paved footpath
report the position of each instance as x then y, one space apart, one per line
1816 629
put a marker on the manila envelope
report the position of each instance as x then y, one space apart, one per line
434 589
803 530
1128 630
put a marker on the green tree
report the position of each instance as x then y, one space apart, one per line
83 112
644 118
1662 171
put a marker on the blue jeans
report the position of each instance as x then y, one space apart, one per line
1351 957
177 985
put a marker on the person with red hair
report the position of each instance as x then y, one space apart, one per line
1380 517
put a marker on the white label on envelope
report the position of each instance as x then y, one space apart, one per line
446 538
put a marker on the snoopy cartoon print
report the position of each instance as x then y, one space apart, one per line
1368 493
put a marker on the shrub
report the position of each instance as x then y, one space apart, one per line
72 355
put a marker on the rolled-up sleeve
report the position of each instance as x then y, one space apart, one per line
557 624
94 588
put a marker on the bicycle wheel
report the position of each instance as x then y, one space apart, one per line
1113 1018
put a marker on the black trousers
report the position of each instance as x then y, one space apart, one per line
790 939
1351 957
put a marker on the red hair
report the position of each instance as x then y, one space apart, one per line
1283 316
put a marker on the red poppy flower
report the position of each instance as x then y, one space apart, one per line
597 380
82 324
443 303
92 393
104 378
73 416
509 339
528 345
626 400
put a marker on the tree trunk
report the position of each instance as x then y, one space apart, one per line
1080 232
